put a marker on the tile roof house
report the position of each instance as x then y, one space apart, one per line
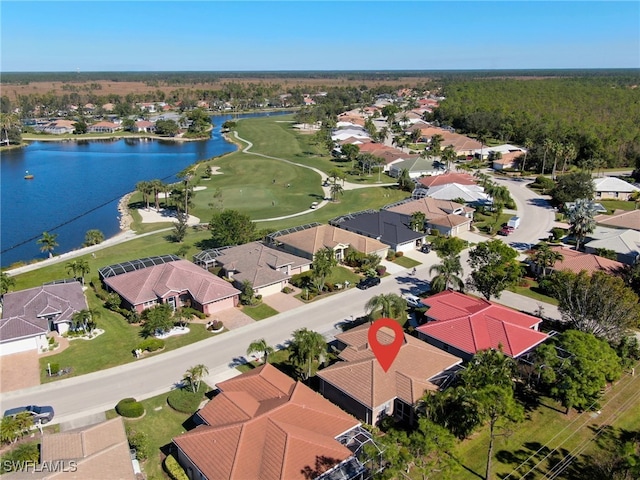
577 261
626 219
449 218
268 269
510 160
264 425
417 167
103 127
144 126
446 178
464 325
389 227
359 385
177 283
626 244
305 243
473 194
613 187
28 315
461 144
58 127
98 452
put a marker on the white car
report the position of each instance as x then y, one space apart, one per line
314 205
413 301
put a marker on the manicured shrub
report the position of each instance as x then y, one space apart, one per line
391 254
399 254
216 325
197 313
381 270
184 400
151 344
287 290
558 233
130 408
54 368
173 469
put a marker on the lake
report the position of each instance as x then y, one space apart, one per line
77 185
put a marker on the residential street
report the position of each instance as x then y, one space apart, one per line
88 394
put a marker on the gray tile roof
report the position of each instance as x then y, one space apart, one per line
387 226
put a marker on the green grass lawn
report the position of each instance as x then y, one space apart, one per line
406 262
547 427
161 423
612 205
532 291
484 222
260 312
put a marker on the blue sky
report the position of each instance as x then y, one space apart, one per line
308 35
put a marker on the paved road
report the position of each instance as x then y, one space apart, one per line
89 394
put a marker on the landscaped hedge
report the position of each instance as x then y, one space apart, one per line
130 408
151 344
140 442
184 400
173 468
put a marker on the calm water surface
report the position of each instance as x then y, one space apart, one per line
77 186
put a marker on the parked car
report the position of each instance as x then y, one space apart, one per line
505 231
42 414
514 222
425 248
414 301
314 205
368 282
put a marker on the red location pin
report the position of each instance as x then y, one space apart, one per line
385 353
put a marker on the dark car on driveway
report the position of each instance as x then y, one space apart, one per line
42 414
368 282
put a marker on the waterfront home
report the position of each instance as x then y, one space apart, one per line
103 127
29 315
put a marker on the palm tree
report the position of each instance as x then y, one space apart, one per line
557 151
183 316
482 138
158 186
435 145
85 320
48 242
569 154
528 144
545 258
306 347
391 305
6 282
260 346
635 197
194 376
581 221
547 146
146 189
448 155
447 274
79 268
417 222
93 237
336 189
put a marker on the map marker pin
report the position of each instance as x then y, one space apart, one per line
385 353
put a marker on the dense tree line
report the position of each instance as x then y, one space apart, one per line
598 115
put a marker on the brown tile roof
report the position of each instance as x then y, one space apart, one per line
313 239
360 375
259 264
509 158
445 178
578 261
459 142
621 219
284 431
33 305
157 281
437 212
106 125
101 452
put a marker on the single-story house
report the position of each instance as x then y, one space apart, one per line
509 160
268 269
144 126
100 452
613 188
103 127
389 227
626 244
177 283
265 425
449 218
58 127
29 315
307 241
359 385
575 262
464 325
447 178
461 144
417 167
473 194
626 219
504 150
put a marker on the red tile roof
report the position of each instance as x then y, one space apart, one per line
157 281
577 261
360 375
471 324
446 178
265 425
621 219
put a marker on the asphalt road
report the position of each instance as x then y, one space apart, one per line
85 395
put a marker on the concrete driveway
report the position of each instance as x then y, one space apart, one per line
18 371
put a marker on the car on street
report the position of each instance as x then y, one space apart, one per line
314 205
368 282
42 414
506 230
413 301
